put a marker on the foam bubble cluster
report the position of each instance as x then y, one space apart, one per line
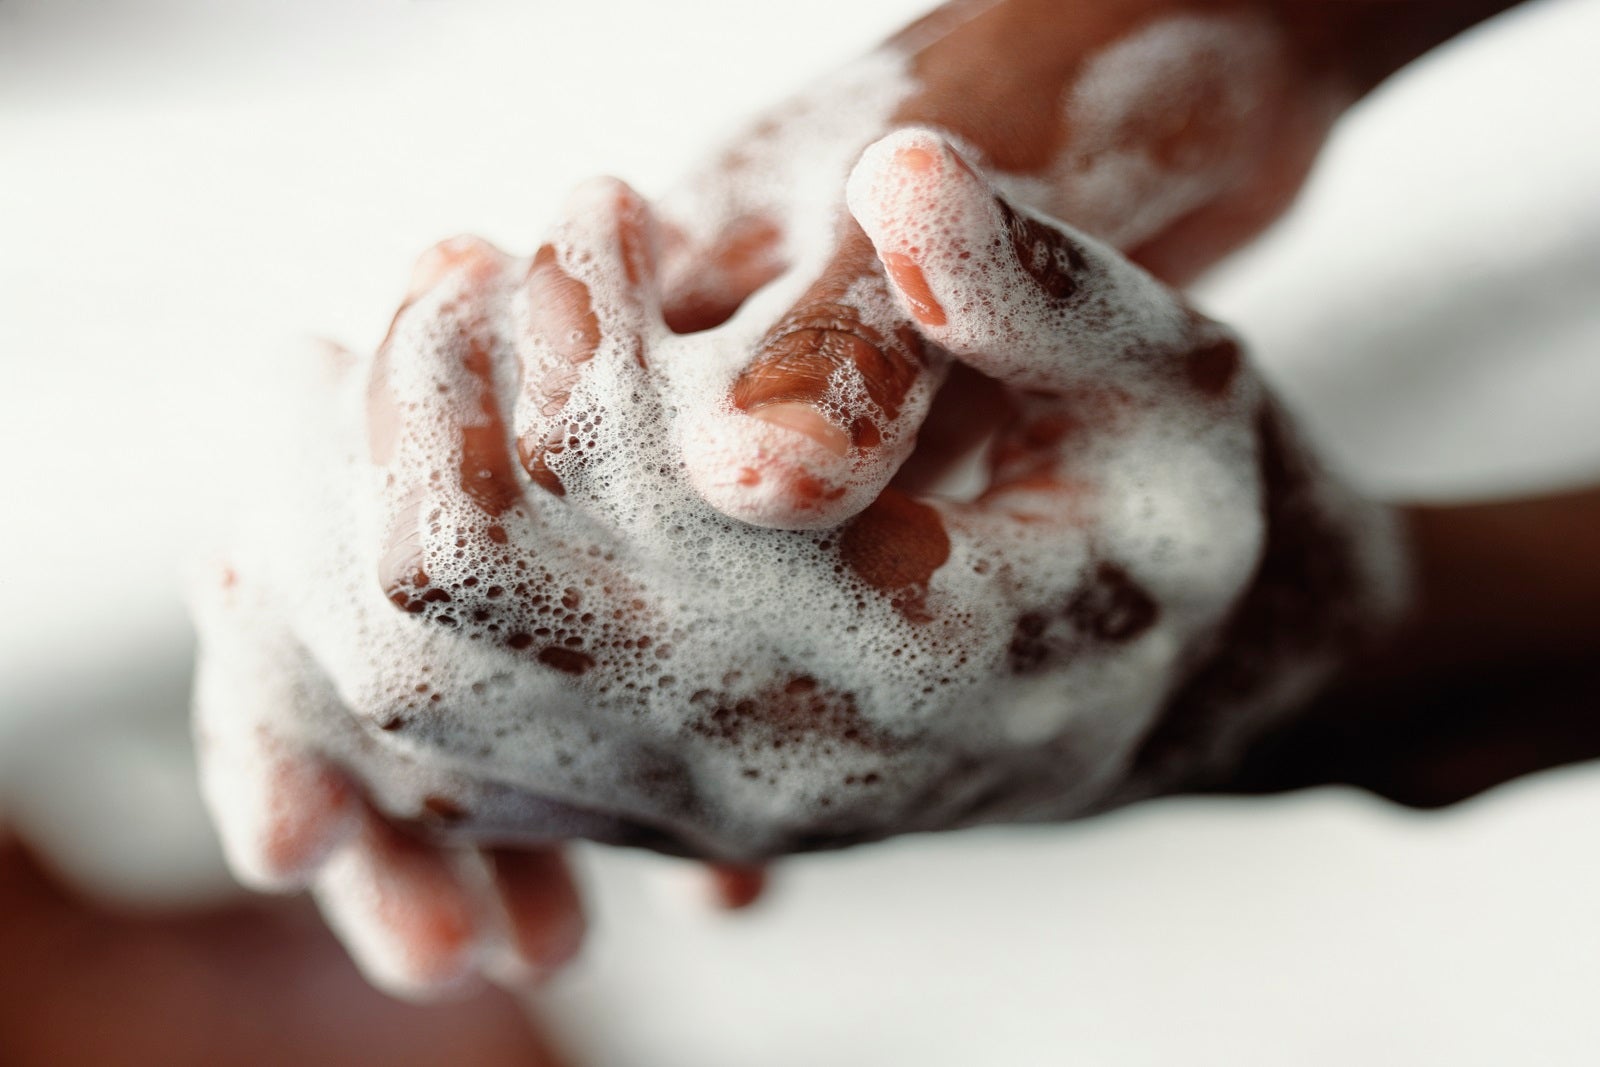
546 567
505 599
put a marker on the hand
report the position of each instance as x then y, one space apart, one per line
1491 677
795 413
550 635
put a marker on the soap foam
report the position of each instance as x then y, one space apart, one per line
624 654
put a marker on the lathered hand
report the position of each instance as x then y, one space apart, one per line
656 536
490 609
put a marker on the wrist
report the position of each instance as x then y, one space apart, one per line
1332 585
1359 43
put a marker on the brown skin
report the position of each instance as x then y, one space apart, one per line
260 983
1506 582
1493 676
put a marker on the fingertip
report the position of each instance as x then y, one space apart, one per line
561 317
318 812
913 149
466 253
735 887
543 909
602 191
767 472
622 209
827 407
588 310
920 204
913 169
280 812
402 911
916 158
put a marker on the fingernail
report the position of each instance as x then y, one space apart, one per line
913 285
918 159
807 420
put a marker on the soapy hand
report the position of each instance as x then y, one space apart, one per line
843 494
550 634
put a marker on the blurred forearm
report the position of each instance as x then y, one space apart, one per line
1506 582
1494 676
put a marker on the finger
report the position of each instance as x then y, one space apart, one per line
464 548
733 887
722 886
543 912
581 319
280 809
1018 296
435 423
827 408
705 280
402 909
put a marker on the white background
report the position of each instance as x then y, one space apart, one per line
188 189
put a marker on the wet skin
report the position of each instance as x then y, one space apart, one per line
881 309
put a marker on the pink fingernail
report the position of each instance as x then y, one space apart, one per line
913 284
807 420
918 159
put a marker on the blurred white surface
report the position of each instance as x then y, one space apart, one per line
186 189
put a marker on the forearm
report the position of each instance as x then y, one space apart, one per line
1492 677
998 71
1506 582
1359 43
